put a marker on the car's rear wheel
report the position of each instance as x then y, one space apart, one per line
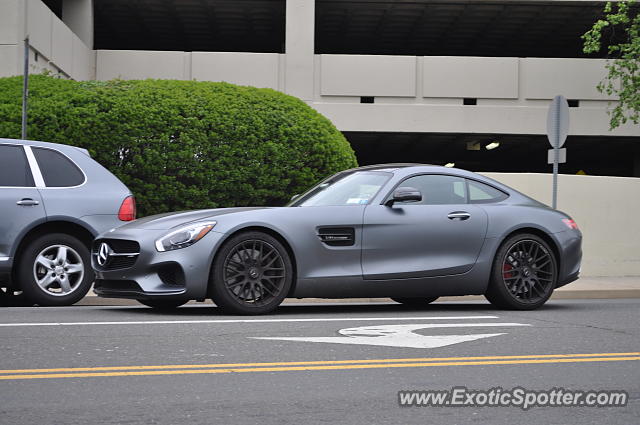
415 302
252 274
163 304
54 270
524 273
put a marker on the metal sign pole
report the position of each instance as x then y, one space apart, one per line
25 88
557 131
556 154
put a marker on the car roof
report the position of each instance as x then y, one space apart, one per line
58 146
403 170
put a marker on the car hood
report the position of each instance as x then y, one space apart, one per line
169 220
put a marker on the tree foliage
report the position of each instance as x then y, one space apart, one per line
184 144
619 33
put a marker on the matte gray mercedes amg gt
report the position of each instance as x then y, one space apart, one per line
407 231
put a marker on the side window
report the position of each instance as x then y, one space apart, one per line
438 189
480 193
14 168
57 170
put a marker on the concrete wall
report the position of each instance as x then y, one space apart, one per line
460 77
10 40
367 75
53 45
412 94
512 94
605 209
56 44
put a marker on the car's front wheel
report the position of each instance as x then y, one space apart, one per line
252 274
54 270
524 273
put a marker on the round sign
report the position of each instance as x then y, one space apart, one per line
558 121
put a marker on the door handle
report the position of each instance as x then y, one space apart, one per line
459 215
27 202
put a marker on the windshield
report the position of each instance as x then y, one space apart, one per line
344 189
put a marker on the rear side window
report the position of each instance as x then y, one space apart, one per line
480 193
14 168
438 189
57 170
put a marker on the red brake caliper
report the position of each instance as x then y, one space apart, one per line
507 271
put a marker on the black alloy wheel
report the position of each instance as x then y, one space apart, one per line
252 274
524 273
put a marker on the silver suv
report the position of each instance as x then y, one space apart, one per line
54 199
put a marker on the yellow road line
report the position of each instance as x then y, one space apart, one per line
317 362
322 367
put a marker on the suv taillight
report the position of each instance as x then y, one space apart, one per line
570 223
127 210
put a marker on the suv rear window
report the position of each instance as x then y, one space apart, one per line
14 168
57 170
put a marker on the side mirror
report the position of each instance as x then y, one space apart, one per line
405 194
294 197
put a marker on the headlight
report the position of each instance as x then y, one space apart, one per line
184 236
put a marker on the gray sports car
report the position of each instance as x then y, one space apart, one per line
407 231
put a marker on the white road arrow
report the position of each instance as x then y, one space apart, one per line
401 335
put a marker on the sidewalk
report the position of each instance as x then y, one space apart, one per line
583 288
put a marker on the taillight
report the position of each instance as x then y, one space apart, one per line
570 223
127 210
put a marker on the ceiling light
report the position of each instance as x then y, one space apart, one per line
473 146
492 145
450 164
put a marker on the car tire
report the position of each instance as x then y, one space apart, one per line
55 270
415 302
251 274
524 273
163 304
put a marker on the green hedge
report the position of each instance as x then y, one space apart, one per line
184 144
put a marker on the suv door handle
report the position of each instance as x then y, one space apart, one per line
27 202
459 215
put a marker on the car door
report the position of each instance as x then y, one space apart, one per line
65 193
20 201
440 235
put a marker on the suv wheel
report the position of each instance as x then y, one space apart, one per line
55 270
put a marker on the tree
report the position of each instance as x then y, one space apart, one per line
619 33
185 144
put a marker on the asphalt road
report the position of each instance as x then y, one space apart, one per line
130 365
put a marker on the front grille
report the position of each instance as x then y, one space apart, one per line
121 245
120 263
124 253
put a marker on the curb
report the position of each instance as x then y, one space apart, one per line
557 295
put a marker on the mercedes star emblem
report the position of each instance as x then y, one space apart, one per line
104 252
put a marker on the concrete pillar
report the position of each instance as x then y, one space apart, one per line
299 48
78 15
12 32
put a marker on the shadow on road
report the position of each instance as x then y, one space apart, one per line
330 310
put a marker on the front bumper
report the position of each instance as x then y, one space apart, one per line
179 274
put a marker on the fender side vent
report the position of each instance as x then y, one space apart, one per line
337 236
